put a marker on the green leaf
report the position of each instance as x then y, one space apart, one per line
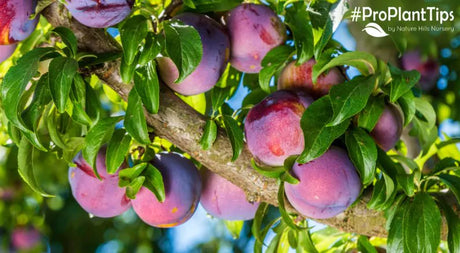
148 87
281 206
395 234
234 227
209 134
370 115
235 134
117 149
183 45
154 182
366 63
53 121
41 98
61 73
13 86
204 6
406 181
365 246
453 225
453 182
127 70
318 136
99 134
68 38
407 104
426 109
422 225
219 96
273 61
298 20
135 122
305 243
257 222
133 188
383 194
349 98
268 171
151 49
132 32
402 82
77 98
129 174
26 167
363 153
325 37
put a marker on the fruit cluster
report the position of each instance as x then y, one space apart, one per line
183 186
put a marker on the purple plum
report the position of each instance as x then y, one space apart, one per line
328 185
101 198
182 188
216 45
388 129
6 51
254 30
100 13
295 77
224 200
428 68
272 127
15 24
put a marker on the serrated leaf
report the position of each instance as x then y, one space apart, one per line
395 233
235 134
426 109
132 32
148 87
422 225
402 82
406 181
14 84
184 47
154 182
349 98
366 63
407 104
61 73
209 134
41 98
363 153
52 122
273 61
68 38
135 122
26 167
370 115
453 182
99 134
298 20
325 37
318 136
129 174
117 149
268 171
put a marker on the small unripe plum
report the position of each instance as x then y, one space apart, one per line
224 200
328 185
100 13
295 77
428 68
272 127
389 128
6 51
101 198
25 238
15 24
254 30
216 45
182 193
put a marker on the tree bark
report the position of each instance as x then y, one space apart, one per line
183 126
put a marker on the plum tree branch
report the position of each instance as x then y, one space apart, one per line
183 126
